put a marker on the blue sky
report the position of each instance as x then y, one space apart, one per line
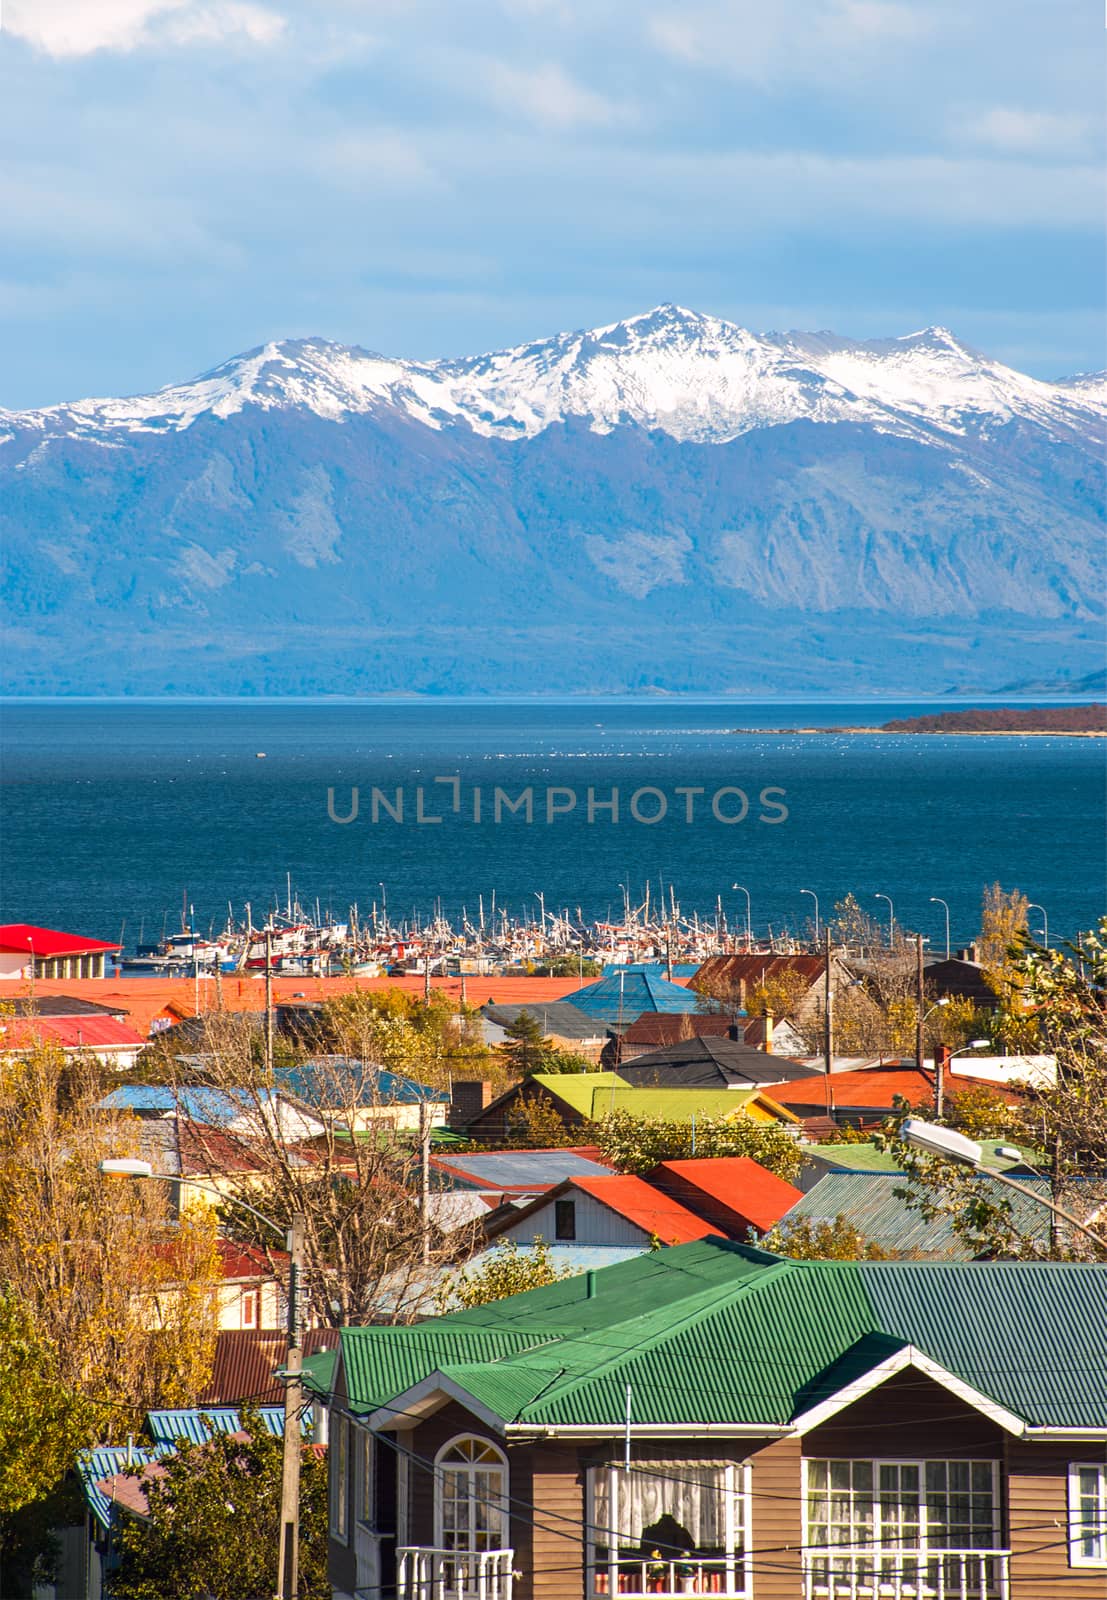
184 179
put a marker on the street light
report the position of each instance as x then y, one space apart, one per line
814 897
288 1571
891 918
938 1141
936 900
1032 905
749 924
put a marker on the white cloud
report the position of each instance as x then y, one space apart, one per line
63 28
1029 132
789 40
547 95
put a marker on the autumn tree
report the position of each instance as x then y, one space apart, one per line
506 1270
121 1295
212 1526
817 1239
636 1144
330 1139
536 1124
1002 926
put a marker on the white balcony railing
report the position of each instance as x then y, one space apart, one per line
669 1579
839 1572
423 1573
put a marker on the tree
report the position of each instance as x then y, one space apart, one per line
1066 1121
536 1124
325 1140
635 1144
812 1239
507 1270
1002 926
213 1522
121 1295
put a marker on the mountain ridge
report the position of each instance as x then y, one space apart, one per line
665 502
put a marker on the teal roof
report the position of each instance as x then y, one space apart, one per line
625 993
870 1202
722 1333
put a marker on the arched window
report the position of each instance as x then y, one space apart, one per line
470 1501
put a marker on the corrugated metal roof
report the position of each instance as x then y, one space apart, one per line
326 1081
552 1016
99 1465
624 995
576 1089
770 1333
245 1360
201 1424
869 1201
646 1207
681 1105
24 937
71 1033
520 1169
747 1189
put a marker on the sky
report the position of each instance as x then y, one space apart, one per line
186 179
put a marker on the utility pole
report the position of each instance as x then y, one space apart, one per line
288 1578
424 1177
942 1057
828 1020
1056 1238
268 1004
919 1009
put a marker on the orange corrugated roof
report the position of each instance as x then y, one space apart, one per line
875 1087
72 1033
145 999
639 1202
746 1188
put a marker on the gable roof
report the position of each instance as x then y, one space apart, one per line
519 1171
362 1083
732 971
681 1105
738 1184
95 1032
577 1090
638 1202
875 1088
619 997
665 1027
776 1336
26 938
711 1061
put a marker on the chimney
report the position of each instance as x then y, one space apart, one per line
468 1098
768 1044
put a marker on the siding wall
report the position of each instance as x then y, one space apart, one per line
1038 1504
596 1224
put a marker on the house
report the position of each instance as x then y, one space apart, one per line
101 1035
30 952
510 1177
237 1112
245 1363
349 1093
61 1005
821 1159
626 993
872 1202
616 1208
579 1098
961 979
561 1022
707 1061
863 1098
735 1193
737 978
713 1419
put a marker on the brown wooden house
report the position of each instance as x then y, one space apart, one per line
713 1420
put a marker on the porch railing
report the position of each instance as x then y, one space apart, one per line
681 1576
423 1573
839 1572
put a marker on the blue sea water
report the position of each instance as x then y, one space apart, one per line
114 813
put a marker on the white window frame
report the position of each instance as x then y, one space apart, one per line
736 1523
921 1463
338 1455
1076 1527
441 1466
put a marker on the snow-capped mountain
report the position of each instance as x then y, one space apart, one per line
670 500
693 377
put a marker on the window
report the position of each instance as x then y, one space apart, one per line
365 1507
339 1456
668 1528
471 1497
565 1219
249 1308
1087 1514
903 1526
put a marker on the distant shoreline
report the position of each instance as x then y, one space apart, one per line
1030 722
957 733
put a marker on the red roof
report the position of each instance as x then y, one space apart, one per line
72 1033
738 1187
875 1088
645 1206
24 936
245 1260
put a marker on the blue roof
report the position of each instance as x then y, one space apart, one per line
200 1423
624 994
681 969
314 1082
195 1103
512 1169
105 1461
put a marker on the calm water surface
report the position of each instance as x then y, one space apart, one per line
112 812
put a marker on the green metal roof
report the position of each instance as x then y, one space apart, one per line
870 1201
577 1089
853 1157
722 1333
673 1105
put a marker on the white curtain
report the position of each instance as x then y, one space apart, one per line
693 1493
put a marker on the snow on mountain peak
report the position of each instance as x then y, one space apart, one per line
689 374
